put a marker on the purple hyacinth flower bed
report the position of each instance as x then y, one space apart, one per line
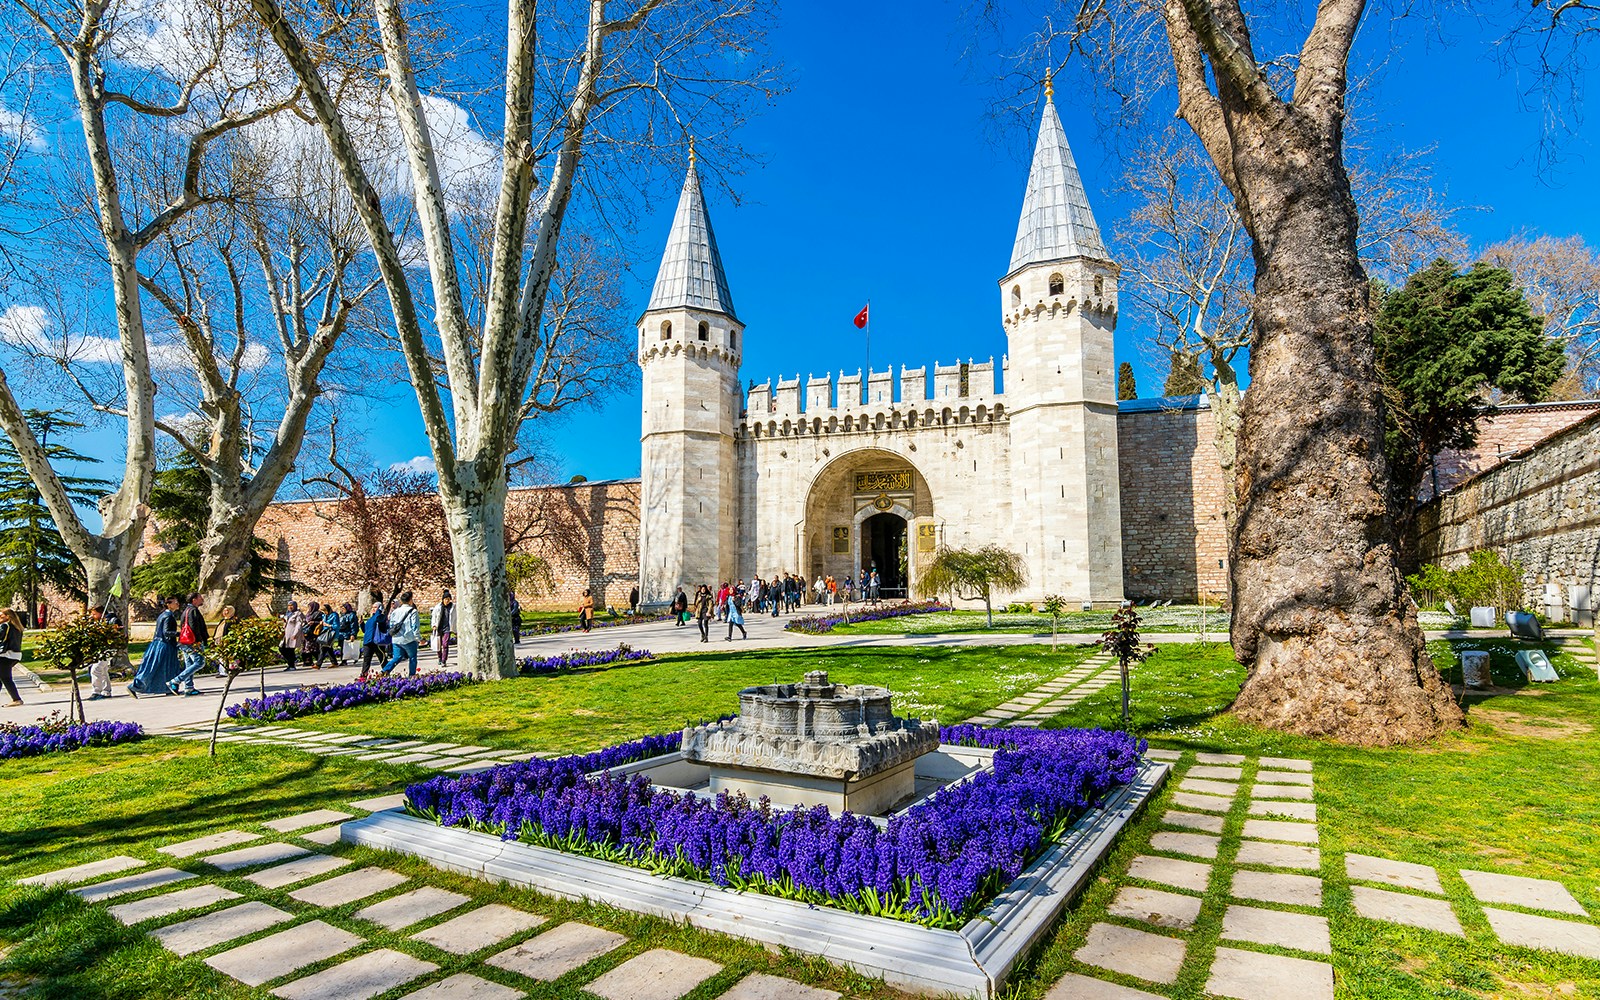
823 624
317 699
548 629
937 863
56 735
575 660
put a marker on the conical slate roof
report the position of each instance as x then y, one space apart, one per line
691 268
1056 222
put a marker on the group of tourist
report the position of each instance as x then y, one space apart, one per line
780 595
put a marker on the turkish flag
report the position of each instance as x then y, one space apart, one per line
861 318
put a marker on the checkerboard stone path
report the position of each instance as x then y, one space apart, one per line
1273 900
304 943
1053 697
450 758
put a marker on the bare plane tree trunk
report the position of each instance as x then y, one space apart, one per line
477 539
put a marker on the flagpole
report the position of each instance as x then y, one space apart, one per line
869 350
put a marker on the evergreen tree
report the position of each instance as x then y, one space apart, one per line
180 500
1185 378
33 555
1127 388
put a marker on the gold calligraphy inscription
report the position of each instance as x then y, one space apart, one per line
883 502
883 481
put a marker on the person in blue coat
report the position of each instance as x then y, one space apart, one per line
160 664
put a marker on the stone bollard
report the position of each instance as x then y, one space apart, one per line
1475 668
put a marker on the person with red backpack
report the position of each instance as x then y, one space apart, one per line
191 646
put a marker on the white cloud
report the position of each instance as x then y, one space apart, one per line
31 329
16 127
422 463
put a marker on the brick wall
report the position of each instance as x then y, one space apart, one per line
1540 506
1174 538
1512 429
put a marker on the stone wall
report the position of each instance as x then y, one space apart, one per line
1174 537
1512 429
1539 506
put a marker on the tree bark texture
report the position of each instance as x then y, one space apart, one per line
1321 616
482 632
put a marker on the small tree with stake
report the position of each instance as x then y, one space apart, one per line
974 574
81 639
1054 605
1122 641
248 644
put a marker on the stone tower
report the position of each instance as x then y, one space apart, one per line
689 348
1058 301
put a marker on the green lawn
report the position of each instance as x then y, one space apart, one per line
588 710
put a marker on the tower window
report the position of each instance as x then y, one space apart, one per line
705 331
1099 285
1016 296
733 340
1058 284
666 330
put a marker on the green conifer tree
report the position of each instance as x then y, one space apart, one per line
1127 388
1185 378
180 499
33 555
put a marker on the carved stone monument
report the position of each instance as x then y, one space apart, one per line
815 743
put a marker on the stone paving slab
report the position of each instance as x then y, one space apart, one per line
1403 874
465 986
1209 803
1194 821
166 905
379 803
471 767
298 871
210 842
151 879
1153 957
1284 764
1294 810
402 758
1278 887
1158 754
1215 773
412 907
1075 987
349 887
1256 852
1404 908
655 975
1251 975
325 836
1155 907
1284 778
760 986
280 954
85 872
358 979
260 854
1170 871
1534 893
316 817
478 929
557 951
1203 787
1196 845
200 933
1300 931
1219 758
1300 792
1272 829
1548 933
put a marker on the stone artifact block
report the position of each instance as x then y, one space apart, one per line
760 986
1132 953
316 817
1403 908
212 929
360 978
1251 975
282 953
349 887
1300 931
1075 987
1529 931
1404 874
1160 909
478 929
1256 852
557 951
1171 871
166 905
655 975
465 986
411 907
1278 887
131 883
211 842
1534 893
84 872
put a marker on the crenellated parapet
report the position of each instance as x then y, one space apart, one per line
693 350
855 402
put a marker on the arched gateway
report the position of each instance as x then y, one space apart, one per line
869 509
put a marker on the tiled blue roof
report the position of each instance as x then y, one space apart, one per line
1056 222
691 268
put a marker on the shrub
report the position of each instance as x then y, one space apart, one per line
1486 580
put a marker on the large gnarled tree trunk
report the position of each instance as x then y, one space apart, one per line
1321 615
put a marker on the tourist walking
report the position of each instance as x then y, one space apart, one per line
821 588
294 629
874 586
191 646
516 620
702 607
330 639
443 623
586 610
736 621
680 607
405 631
349 629
100 670
375 635
10 653
311 636
160 663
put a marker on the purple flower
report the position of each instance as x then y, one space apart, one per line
287 705
823 624
575 659
30 741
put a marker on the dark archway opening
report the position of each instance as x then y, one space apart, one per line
884 548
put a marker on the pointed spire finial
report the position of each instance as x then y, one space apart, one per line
691 152
1049 86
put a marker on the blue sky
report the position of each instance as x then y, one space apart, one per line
884 178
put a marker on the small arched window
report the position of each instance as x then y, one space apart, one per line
1016 296
666 329
1058 284
733 340
705 331
1099 285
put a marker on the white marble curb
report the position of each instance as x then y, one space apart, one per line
971 962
